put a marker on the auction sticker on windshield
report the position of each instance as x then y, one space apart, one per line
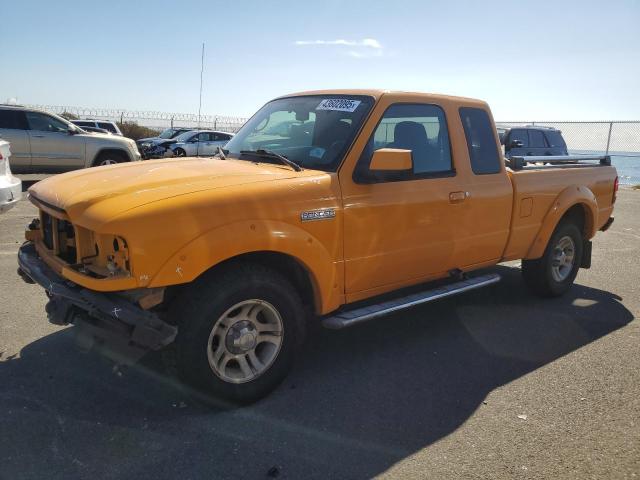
339 104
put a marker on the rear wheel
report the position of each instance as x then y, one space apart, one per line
554 273
109 158
238 332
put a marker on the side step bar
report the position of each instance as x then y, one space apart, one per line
351 317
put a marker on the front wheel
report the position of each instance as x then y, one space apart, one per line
110 158
553 274
180 152
238 332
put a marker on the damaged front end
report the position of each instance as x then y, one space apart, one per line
120 321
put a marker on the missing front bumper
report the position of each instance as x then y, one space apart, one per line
107 318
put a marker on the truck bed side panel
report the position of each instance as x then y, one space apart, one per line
535 192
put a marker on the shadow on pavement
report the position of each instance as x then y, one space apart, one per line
358 402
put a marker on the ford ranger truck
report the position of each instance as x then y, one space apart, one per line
224 261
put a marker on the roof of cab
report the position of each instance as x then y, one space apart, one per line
376 93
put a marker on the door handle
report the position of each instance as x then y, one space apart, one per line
38 136
458 197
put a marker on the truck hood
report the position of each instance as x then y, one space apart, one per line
130 185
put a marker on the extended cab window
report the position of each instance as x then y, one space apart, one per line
419 128
481 141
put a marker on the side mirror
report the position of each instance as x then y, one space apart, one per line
515 144
71 130
391 159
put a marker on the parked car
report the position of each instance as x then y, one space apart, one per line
534 140
147 145
107 125
44 142
10 186
96 130
230 260
196 143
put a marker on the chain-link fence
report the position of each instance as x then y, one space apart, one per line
616 138
154 120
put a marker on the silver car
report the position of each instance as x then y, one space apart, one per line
10 186
199 142
44 142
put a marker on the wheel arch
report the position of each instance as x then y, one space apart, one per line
106 150
291 251
577 203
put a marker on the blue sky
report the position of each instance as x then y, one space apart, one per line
542 60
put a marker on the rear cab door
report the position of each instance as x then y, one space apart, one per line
13 129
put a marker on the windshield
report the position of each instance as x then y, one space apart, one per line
184 137
313 131
168 133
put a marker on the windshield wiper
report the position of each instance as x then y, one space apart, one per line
268 153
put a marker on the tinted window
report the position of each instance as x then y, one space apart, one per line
521 135
221 137
13 119
419 128
84 124
481 140
107 126
536 139
204 137
45 123
555 139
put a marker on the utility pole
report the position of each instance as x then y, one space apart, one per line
201 70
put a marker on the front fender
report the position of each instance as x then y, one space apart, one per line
569 197
232 240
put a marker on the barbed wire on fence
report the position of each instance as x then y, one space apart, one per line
618 137
151 119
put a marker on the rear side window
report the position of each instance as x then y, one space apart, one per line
13 119
555 139
481 141
536 139
520 135
107 126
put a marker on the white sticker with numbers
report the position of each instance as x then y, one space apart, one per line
338 104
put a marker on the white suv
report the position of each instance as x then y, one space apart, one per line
107 125
44 142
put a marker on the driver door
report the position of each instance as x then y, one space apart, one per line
401 229
53 148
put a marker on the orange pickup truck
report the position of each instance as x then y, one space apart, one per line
322 202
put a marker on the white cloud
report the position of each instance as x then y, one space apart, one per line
365 42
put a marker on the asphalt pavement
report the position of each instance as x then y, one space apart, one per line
493 384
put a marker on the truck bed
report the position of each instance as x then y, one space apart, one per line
536 191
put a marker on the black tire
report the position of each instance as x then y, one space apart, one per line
110 158
538 274
180 152
197 310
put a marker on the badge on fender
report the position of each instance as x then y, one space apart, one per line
322 214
